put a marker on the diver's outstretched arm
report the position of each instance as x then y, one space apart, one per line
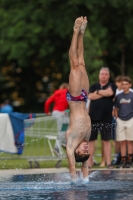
85 170
71 161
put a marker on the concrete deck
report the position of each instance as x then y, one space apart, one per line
47 170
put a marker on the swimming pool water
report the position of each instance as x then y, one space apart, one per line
106 184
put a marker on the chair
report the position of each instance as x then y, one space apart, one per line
59 138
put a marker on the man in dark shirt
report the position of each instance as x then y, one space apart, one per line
101 95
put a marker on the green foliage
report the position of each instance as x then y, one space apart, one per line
35 38
92 56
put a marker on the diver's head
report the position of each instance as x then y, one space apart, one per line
82 152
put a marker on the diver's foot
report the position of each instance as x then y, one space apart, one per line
78 23
84 25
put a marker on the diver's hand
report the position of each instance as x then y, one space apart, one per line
85 180
74 181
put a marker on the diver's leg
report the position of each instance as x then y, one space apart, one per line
84 78
80 42
73 54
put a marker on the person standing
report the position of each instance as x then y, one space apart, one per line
101 95
58 99
6 107
117 158
60 105
124 117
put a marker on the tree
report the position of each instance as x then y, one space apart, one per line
35 38
111 23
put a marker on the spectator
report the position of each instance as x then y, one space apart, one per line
118 82
117 158
59 101
124 117
101 106
6 107
58 111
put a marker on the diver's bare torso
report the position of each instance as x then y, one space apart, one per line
80 125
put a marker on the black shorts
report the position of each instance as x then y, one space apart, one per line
104 128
